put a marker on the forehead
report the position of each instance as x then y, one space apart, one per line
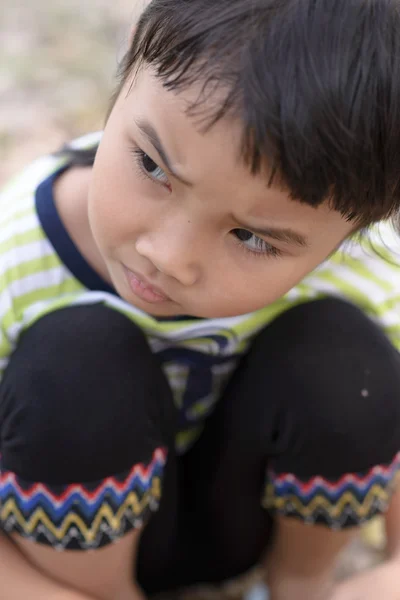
211 158
170 114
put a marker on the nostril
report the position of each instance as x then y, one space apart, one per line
171 260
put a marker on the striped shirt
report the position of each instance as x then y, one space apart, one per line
41 270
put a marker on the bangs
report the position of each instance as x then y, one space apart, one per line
315 84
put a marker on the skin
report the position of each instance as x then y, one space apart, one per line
183 239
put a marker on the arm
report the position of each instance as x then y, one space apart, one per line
300 563
383 581
68 491
337 464
392 524
104 574
20 580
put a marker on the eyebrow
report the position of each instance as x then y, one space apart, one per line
288 236
148 131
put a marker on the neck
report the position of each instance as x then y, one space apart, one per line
71 192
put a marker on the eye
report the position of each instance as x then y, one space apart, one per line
149 167
254 244
153 169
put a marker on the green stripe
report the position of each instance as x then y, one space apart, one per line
361 269
390 303
306 292
32 267
13 315
18 214
184 439
255 322
8 319
5 346
393 333
379 250
55 301
69 286
265 316
21 239
150 325
178 379
202 408
8 187
177 396
349 291
393 329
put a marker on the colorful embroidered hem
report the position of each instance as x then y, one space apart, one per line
81 516
350 501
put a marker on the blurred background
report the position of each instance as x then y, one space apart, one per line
57 64
58 59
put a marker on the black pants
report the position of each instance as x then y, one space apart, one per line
319 393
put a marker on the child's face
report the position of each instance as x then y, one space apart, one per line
212 239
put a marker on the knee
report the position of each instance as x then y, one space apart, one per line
82 398
337 380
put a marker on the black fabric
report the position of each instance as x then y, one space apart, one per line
83 398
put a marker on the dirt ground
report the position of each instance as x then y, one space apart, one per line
57 63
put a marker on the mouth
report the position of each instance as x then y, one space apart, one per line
143 289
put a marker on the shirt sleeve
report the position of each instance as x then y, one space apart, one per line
338 463
364 271
83 449
336 502
338 458
7 323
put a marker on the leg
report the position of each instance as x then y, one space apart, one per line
86 422
317 395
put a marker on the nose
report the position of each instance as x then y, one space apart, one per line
171 256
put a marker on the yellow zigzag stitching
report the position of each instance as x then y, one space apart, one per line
89 533
361 509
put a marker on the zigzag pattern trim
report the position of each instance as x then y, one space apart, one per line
82 516
351 500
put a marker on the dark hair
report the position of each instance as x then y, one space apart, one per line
316 84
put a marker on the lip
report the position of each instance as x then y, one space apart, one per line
143 289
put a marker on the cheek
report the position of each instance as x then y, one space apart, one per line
116 204
114 222
243 290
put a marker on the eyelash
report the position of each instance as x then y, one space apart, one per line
138 156
271 252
